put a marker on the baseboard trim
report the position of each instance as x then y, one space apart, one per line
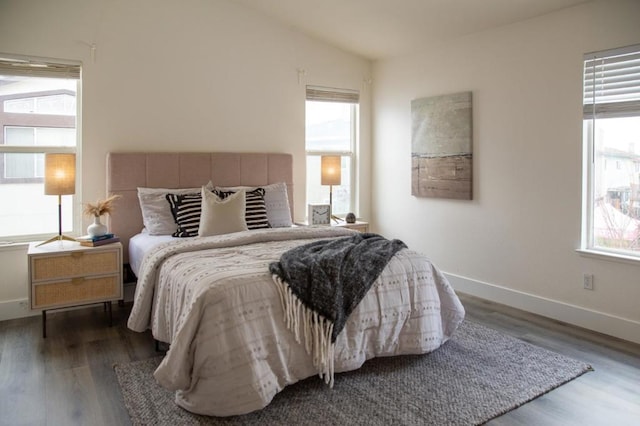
593 320
17 308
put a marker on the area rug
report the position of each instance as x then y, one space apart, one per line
476 376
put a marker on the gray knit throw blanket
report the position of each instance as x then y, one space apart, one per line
321 283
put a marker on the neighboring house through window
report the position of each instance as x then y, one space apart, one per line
611 131
331 127
38 115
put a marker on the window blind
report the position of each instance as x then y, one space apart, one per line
38 68
328 94
612 83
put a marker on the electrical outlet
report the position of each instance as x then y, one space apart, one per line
588 281
24 304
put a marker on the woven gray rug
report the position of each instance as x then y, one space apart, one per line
476 376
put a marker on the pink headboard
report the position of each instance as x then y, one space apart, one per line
126 171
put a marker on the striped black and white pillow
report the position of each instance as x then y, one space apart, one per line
256 210
186 210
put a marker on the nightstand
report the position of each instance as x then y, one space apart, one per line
65 274
357 226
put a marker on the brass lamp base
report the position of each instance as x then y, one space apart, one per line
56 238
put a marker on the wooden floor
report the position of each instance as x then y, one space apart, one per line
68 378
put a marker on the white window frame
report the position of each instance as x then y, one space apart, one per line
602 100
352 97
17 65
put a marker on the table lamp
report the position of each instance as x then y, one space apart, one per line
331 166
59 179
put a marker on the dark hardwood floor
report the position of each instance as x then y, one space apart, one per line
68 378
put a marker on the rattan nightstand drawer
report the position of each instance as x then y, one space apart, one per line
74 264
76 291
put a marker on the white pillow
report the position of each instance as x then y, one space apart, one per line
156 213
222 216
276 201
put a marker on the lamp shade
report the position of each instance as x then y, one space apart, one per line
59 174
331 169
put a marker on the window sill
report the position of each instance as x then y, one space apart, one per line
13 245
608 256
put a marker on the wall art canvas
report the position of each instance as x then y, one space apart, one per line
441 146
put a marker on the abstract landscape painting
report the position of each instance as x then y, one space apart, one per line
441 146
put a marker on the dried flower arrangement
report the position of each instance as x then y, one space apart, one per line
101 207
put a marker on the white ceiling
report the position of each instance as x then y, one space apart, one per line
378 29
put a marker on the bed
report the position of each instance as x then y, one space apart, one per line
213 299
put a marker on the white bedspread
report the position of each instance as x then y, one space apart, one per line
214 300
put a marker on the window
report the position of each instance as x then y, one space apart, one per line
611 133
38 105
331 125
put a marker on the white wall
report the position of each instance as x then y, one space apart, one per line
516 241
191 75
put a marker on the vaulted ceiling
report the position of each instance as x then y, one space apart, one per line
378 29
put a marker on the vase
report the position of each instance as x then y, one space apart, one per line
96 229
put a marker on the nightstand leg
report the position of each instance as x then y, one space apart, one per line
44 324
110 314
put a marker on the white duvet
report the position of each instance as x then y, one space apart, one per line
214 301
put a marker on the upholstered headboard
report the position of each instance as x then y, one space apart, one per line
127 171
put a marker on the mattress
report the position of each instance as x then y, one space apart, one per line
142 243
